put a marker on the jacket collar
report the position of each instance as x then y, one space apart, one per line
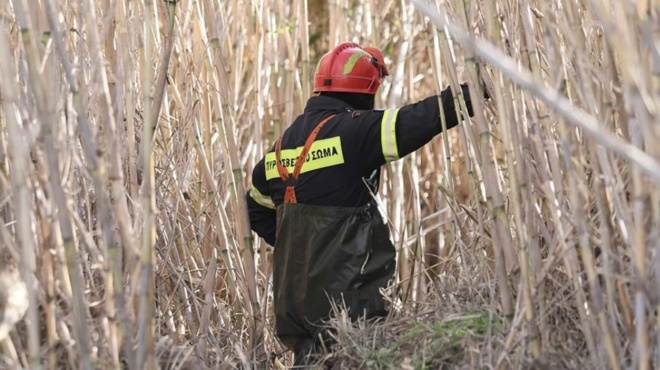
327 103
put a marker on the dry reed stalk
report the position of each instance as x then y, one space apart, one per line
414 228
485 168
114 329
124 74
51 320
519 185
262 117
577 195
530 252
145 355
112 95
635 90
307 66
68 241
640 256
111 269
505 255
394 171
570 260
19 154
446 181
412 172
223 116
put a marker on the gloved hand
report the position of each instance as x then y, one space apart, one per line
468 98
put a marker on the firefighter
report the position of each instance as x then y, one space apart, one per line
311 195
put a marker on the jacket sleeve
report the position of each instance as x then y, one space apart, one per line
261 208
416 124
389 135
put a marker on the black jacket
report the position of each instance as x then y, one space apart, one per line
351 146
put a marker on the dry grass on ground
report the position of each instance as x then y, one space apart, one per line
527 237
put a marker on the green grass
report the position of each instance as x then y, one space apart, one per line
428 345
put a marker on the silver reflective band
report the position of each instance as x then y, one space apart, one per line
388 135
261 199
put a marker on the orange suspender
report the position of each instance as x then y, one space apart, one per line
290 193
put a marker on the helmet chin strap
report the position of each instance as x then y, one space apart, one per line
355 100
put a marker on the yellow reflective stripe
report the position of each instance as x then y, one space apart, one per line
388 135
261 199
323 153
352 61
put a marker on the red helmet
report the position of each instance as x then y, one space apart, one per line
350 68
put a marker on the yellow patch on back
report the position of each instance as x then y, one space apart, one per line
322 154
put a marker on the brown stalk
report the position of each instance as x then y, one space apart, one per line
225 123
417 285
307 66
111 251
145 356
394 171
481 146
518 190
19 154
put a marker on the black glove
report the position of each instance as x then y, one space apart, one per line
468 98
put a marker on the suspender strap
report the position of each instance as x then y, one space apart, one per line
290 193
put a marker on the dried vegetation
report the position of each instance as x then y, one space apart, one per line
528 237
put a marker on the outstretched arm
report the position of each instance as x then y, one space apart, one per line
418 123
385 136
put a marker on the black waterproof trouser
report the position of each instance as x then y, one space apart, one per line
323 255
